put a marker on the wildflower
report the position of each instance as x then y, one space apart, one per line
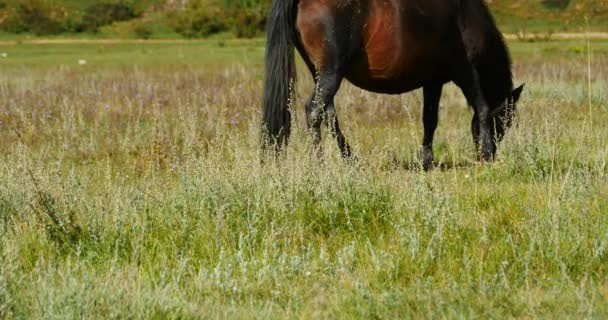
82 62
4 55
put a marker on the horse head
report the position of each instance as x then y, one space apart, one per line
501 116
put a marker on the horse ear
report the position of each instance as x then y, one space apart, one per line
517 92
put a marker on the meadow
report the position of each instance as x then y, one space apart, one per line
132 186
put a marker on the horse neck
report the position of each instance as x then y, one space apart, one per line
494 68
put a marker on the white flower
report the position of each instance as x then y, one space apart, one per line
82 62
4 55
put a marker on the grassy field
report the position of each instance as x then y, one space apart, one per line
550 15
131 186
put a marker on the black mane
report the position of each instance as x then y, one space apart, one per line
493 62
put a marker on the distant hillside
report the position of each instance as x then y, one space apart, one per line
550 15
246 18
515 15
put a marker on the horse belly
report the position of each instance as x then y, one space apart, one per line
398 56
395 79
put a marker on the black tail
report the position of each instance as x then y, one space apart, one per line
280 72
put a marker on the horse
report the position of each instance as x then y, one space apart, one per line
390 47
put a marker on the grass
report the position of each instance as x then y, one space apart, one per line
113 54
540 16
132 187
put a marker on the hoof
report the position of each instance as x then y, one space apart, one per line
351 159
427 160
487 152
427 164
487 156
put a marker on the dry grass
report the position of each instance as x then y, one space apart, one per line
140 193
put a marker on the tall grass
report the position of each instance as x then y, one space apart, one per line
141 193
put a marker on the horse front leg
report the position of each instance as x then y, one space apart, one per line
430 117
481 126
488 146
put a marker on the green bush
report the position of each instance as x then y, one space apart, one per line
9 21
247 17
247 3
249 23
74 23
199 22
142 30
36 16
105 13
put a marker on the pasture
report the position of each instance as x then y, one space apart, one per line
132 186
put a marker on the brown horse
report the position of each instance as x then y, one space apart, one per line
389 46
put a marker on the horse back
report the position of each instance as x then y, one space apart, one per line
407 42
389 46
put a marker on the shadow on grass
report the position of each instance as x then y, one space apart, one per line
556 4
415 164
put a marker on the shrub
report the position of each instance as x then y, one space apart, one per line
9 21
249 23
101 14
199 22
74 23
36 16
246 3
142 30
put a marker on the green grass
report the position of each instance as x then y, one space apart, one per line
536 16
133 187
100 54
61 52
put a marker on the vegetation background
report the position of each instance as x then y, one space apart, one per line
246 18
132 185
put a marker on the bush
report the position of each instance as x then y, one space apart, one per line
245 18
142 30
202 21
199 22
249 23
247 3
101 14
74 23
36 16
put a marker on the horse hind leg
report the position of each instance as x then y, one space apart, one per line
330 36
334 128
321 106
313 122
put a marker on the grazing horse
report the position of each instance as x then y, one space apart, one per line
392 47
